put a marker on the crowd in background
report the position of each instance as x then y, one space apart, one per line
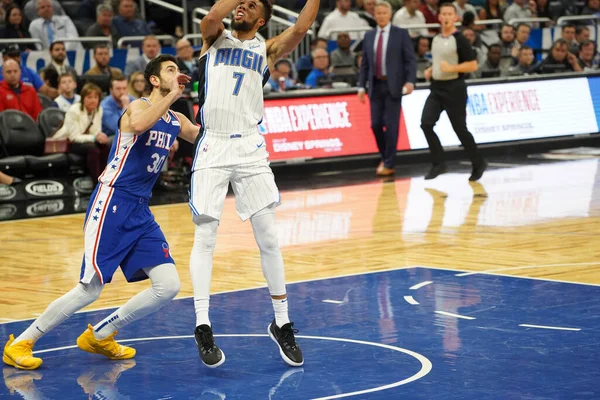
93 102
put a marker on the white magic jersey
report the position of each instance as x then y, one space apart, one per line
231 87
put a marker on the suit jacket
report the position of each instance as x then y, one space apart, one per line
400 61
194 73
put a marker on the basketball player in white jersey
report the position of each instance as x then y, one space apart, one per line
230 149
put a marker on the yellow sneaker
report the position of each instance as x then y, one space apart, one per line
20 355
107 347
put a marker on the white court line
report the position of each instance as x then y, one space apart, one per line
490 271
509 276
496 164
420 285
333 301
249 288
411 300
557 328
454 315
425 363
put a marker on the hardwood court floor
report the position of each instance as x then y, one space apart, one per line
532 220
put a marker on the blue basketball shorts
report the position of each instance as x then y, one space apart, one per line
120 230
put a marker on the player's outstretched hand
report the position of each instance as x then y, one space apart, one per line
178 84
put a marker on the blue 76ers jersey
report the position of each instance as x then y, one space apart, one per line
135 161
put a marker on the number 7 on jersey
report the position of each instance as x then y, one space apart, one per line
239 76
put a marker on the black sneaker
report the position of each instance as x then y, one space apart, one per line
478 171
435 171
288 348
210 354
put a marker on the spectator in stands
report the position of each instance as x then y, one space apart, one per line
491 67
103 25
15 95
471 36
49 27
522 36
525 62
559 60
462 6
136 86
126 22
410 15
430 12
114 105
520 9
150 49
304 64
319 76
83 128
102 58
507 45
342 56
58 60
67 84
31 12
342 18
568 33
368 12
423 58
582 33
492 9
281 69
587 56
88 9
187 63
28 76
8 180
592 7
13 27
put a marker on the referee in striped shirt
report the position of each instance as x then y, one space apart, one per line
453 57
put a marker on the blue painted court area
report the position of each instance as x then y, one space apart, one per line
415 333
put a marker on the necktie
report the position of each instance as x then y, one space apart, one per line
50 32
379 56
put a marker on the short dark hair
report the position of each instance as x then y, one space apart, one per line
117 78
153 67
55 43
100 46
67 74
447 4
580 30
568 26
282 61
522 24
495 46
316 40
525 47
587 42
268 6
507 25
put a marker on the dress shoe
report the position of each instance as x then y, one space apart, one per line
386 171
478 171
436 169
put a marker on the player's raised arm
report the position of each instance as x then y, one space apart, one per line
189 130
283 44
211 25
141 115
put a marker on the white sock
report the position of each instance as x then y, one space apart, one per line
281 311
62 308
165 286
201 259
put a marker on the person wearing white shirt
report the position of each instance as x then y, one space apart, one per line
410 15
66 88
462 7
342 19
49 27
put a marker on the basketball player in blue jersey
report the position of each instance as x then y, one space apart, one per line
119 228
230 149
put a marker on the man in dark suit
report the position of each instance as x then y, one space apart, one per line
389 67
187 63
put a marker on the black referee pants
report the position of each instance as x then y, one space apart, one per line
449 96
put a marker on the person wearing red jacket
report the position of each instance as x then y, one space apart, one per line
14 95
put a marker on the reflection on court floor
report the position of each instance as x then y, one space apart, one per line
416 332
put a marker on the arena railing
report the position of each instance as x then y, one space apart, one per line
516 21
183 10
563 20
21 41
86 39
126 39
